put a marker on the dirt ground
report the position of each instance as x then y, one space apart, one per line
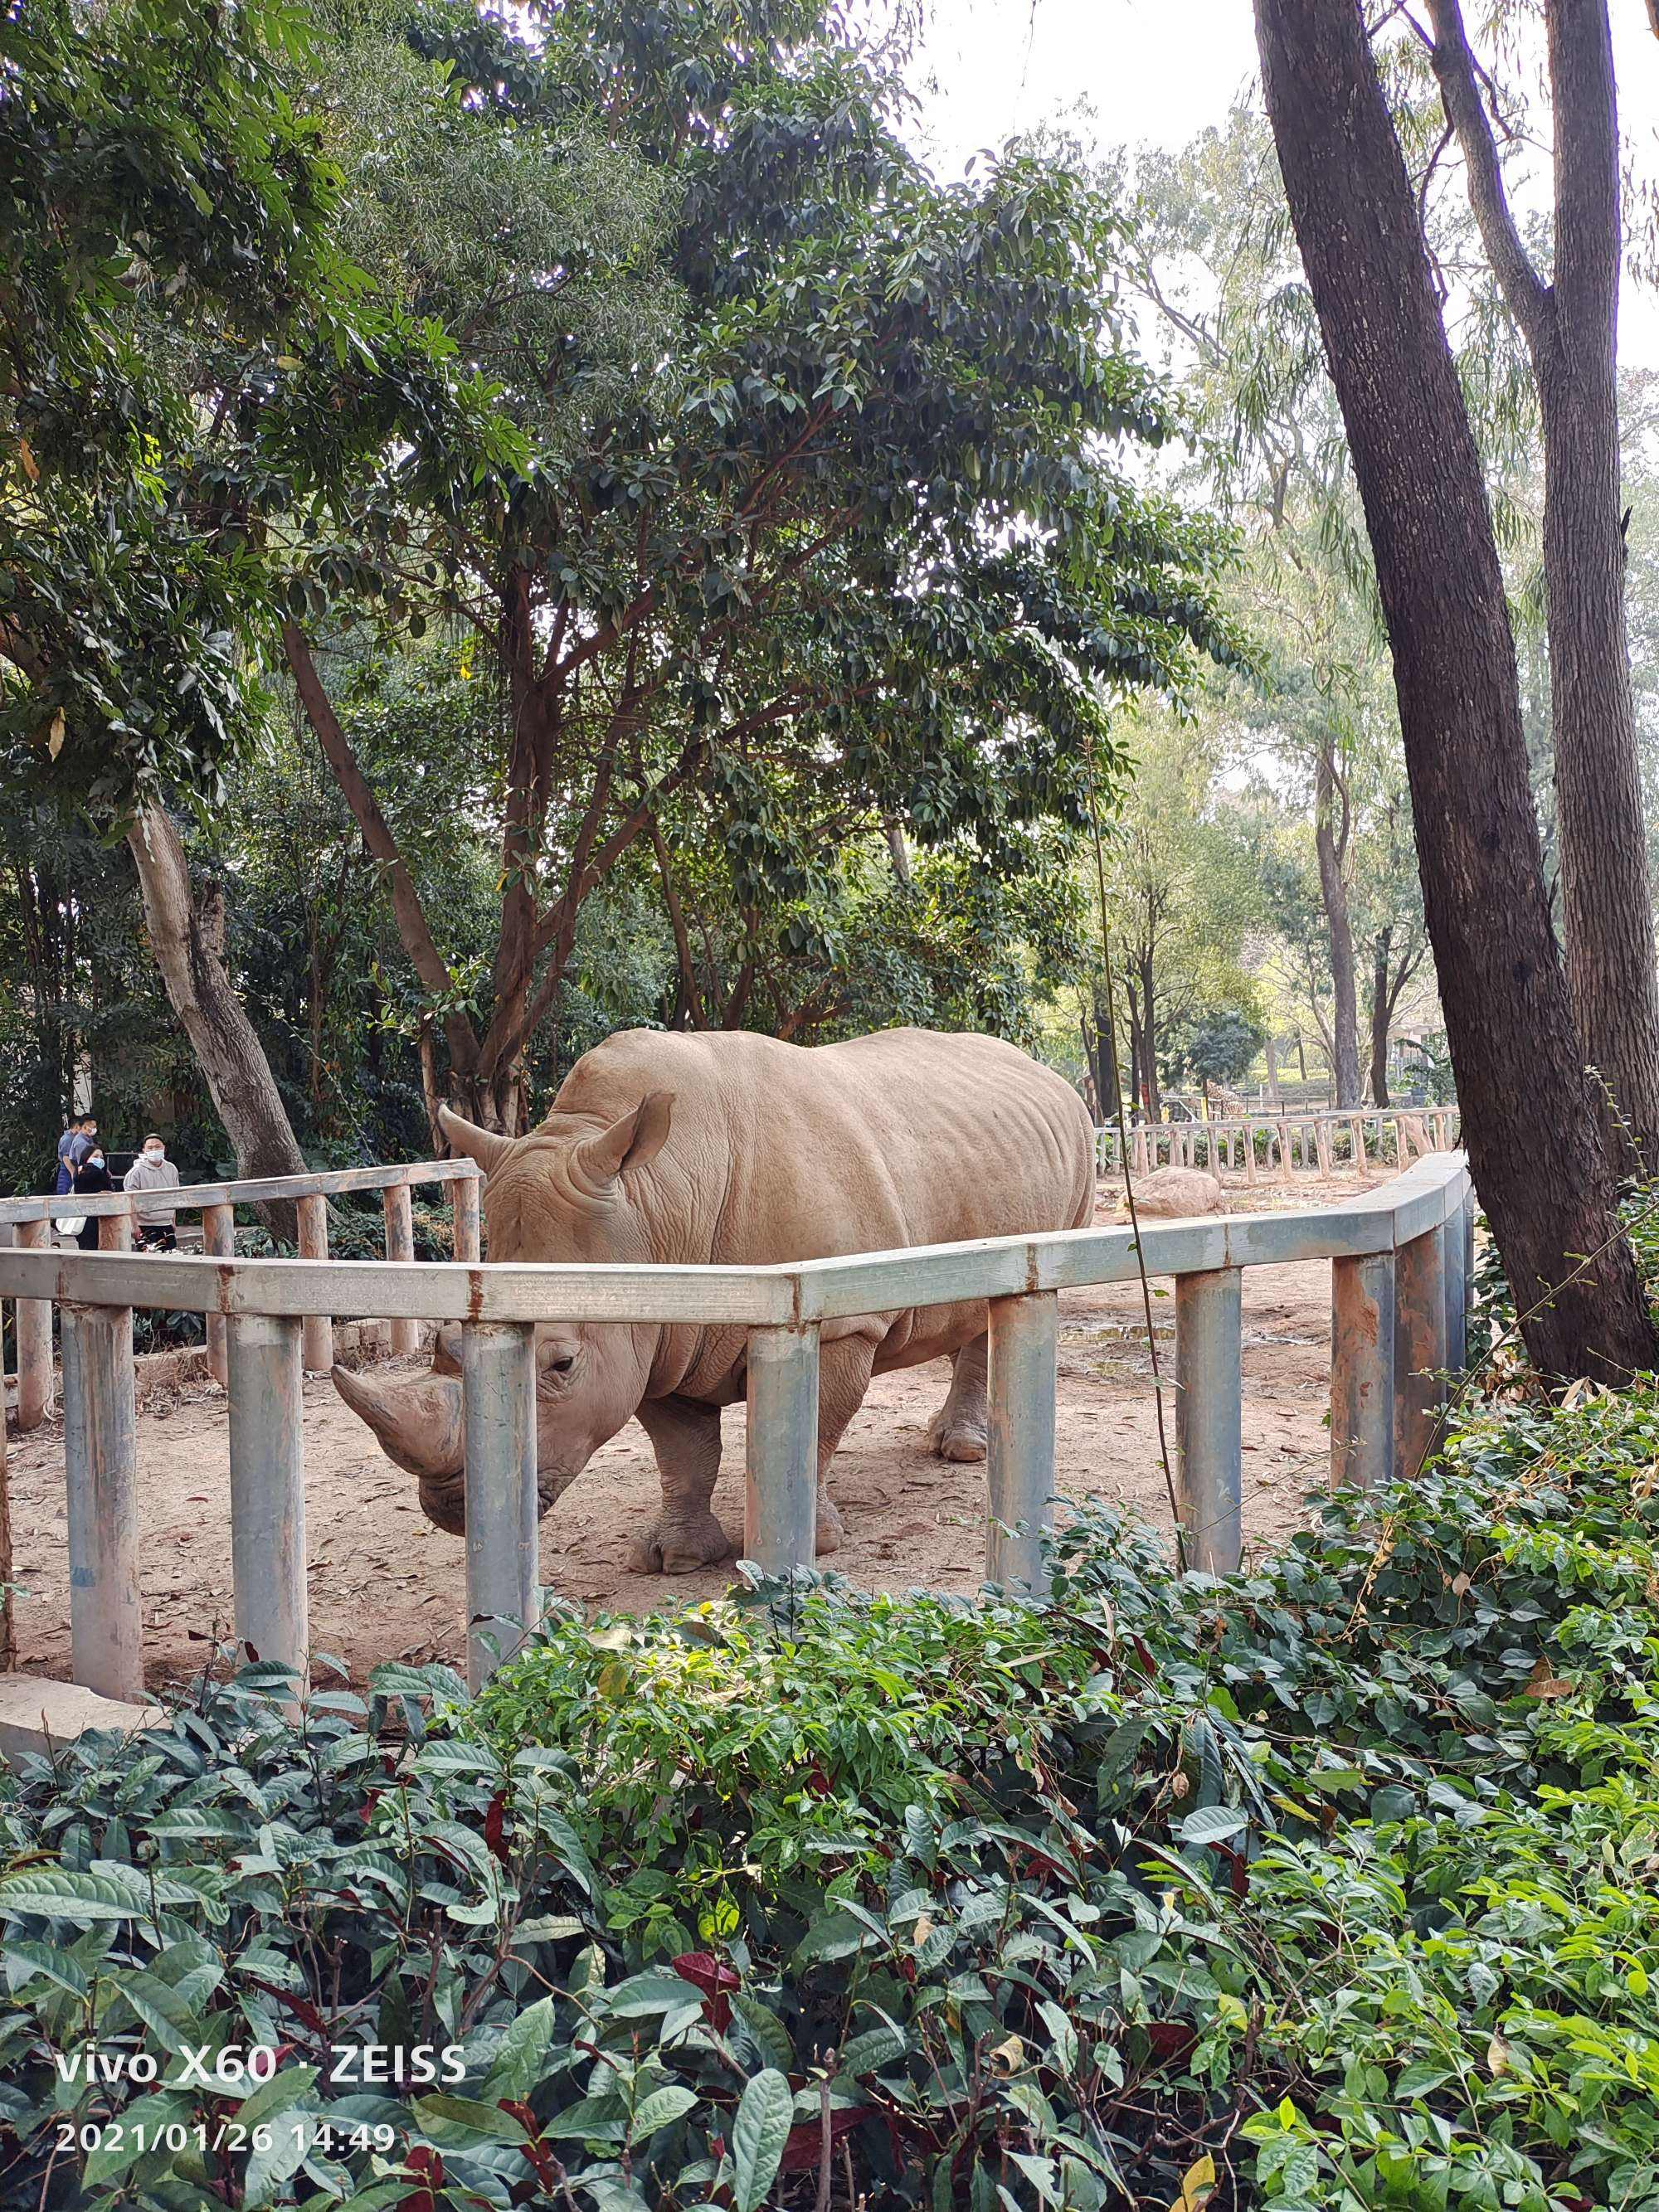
386 1584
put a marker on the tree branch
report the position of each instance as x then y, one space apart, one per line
1528 298
428 964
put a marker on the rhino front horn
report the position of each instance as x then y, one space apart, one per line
417 1420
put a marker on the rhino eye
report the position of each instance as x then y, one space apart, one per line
562 1364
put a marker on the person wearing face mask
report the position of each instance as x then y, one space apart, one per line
91 1179
153 1170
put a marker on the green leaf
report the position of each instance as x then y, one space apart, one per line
765 2115
1212 1824
282 2090
56 1894
521 2055
463 2120
161 2009
661 2107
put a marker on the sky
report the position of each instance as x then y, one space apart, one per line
1122 71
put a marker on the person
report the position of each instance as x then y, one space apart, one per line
153 1170
78 1132
91 1179
66 1172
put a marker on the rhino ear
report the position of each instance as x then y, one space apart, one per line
484 1146
639 1136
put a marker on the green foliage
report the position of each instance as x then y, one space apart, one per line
1218 1046
1329 1885
824 529
148 158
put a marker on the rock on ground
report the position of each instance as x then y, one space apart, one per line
1172 1194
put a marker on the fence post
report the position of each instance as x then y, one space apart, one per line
1419 1344
781 1489
268 1489
1357 1144
467 1240
100 1467
1362 1369
498 1412
219 1242
1209 1417
1020 1468
1249 1151
1286 1171
403 1337
319 1336
1139 1163
35 1386
115 1234
1456 1355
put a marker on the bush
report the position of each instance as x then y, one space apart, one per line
1331 1885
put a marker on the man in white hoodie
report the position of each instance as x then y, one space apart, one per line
153 1170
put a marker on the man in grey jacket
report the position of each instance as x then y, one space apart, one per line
153 1170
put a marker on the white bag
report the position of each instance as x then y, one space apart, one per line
70 1224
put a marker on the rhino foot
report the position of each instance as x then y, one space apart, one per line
831 1529
680 1545
958 1439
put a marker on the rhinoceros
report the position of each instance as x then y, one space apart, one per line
739 1150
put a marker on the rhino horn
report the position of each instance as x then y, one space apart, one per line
639 1136
484 1146
417 1420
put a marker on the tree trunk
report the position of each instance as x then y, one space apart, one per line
1149 1045
1514 1049
1272 1051
1380 1010
1607 904
1330 845
1571 328
188 943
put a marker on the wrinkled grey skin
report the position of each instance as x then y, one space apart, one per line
737 1150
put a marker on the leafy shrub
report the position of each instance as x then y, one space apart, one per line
1329 1885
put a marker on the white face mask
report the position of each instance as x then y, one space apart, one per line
152 1151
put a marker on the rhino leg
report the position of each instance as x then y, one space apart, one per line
844 1365
957 1431
686 1439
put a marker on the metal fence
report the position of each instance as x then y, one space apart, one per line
1269 1146
1400 1270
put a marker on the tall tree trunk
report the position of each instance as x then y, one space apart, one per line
1381 1011
1570 329
1331 845
1606 906
188 943
1149 1043
1514 1049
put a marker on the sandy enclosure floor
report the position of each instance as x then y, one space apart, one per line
386 1584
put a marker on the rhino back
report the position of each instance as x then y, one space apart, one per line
780 1152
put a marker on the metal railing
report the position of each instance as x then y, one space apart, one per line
117 1218
1266 1146
1400 1261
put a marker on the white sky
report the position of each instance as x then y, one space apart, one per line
1122 71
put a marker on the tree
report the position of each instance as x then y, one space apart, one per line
851 558
1570 322
1390 902
1178 895
1213 258
152 165
1513 1045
